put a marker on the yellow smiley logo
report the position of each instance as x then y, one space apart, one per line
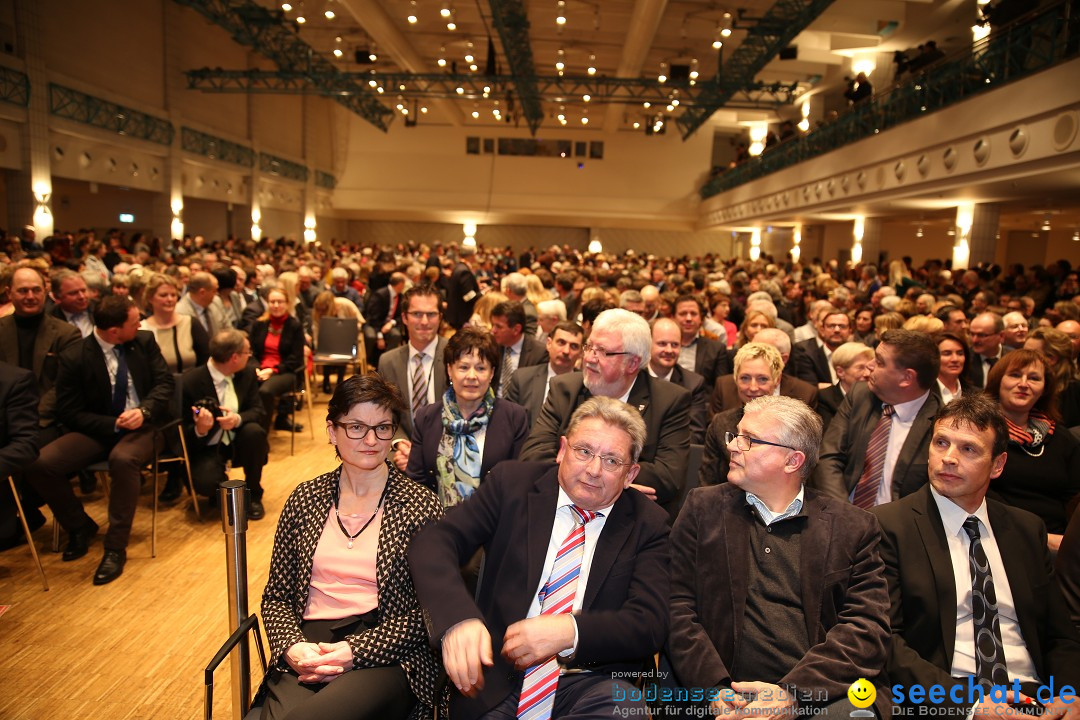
862 693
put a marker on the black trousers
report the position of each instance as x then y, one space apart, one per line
380 693
274 387
249 449
74 451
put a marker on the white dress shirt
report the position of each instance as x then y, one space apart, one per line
1017 658
82 321
902 420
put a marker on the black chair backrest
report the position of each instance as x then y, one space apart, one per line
337 336
690 480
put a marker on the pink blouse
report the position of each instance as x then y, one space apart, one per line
343 580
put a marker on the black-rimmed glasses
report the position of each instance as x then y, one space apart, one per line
359 431
585 456
745 442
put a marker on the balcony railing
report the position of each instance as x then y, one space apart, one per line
80 107
1033 43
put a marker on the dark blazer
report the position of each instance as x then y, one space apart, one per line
973 367
844 595
378 306
726 396
54 310
251 314
808 362
53 337
527 388
922 590
394 367
715 459
533 352
462 291
291 347
531 317
83 394
699 401
843 449
665 407
18 419
198 384
623 619
506 432
711 360
398 636
828 402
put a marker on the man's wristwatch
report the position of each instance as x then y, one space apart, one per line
145 414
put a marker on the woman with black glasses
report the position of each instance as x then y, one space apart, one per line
346 631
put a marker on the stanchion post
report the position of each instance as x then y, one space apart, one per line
234 497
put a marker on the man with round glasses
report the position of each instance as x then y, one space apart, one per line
614 364
778 596
582 555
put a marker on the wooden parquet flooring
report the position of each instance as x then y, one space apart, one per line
136 648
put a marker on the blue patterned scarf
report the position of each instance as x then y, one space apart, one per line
458 460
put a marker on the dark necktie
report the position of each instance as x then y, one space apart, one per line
120 389
874 467
989 650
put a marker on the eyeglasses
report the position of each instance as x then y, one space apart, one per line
418 315
359 431
607 462
745 442
600 352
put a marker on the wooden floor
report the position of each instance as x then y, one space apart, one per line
136 648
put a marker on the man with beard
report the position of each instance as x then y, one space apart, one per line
614 365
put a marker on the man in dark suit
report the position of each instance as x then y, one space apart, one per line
538 522
72 301
811 360
515 287
418 367
961 567
462 290
529 385
18 446
112 388
382 331
238 433
663 364
519 350
704 356
875 448
777 590
987 333
564 287
614 365
202 303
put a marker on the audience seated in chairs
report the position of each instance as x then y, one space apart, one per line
18 444
277 347
225 419
346 631
111 390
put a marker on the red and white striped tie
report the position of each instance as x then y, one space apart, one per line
556 597
874 467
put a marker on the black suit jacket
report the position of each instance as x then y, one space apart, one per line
83 391
506 432
527 388
533 352
198 384
665 407
699 401
844 595
18 419
843 448
623 619
828 402
808 362
462 290
53 337
378 307
291 346
922 591
711 360
726 395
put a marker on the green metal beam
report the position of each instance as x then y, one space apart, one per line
89 110
280 167
474 86
512 23
269 33
14 87
771 33
215 148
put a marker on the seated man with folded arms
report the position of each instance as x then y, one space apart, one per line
574 589
975 603
237 433
778 595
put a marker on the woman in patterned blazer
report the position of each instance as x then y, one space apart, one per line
346 631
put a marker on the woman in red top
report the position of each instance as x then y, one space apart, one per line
277 348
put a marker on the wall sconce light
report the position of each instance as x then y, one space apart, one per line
309 229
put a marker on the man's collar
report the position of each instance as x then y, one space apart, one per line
953 516
429 350
215 372
662 377
106 346
516 347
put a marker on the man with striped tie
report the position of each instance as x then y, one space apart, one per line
573 594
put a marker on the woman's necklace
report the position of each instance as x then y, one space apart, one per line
337 514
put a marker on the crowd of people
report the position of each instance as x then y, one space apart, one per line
887 453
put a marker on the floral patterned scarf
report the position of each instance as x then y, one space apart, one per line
458 459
